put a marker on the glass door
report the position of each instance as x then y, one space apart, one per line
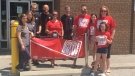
14 9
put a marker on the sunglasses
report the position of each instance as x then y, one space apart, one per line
103 11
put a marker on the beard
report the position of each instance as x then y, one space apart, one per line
46 11
84 12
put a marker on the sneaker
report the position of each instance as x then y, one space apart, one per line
103 74
92 74
19 68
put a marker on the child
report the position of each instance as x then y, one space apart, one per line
103 39
91 37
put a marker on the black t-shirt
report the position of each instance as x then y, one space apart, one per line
44 19
37 21
67 22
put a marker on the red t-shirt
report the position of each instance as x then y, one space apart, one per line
55 27
102 43
109 20
82 22
92 29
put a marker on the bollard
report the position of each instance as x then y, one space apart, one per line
86 49
14 48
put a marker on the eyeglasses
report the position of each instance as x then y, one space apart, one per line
103 11
54 14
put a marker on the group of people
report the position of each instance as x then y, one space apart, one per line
100 30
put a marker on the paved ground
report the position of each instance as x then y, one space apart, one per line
121 65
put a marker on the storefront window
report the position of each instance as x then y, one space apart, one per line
3 26
3 20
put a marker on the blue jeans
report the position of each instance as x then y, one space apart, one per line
25 56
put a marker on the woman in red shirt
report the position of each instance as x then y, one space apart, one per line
54 26
103 39
104 16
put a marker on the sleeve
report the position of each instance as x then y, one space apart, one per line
73 19
51 16
95 24
113 24
108 36
40 20
47 25
76 20
19 28
61 24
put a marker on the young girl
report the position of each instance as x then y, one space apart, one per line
91 37
103 38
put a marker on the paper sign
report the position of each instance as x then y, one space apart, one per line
19 9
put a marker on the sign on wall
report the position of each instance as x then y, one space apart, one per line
19 9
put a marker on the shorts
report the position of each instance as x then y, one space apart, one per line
102 50
109 48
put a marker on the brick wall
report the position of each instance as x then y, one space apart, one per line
57 5
121 11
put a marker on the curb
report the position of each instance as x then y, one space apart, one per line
82 72
48 72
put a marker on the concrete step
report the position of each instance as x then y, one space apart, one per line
60 72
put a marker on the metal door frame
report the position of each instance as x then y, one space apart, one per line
0 23
8 18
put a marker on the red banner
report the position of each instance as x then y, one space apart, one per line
56 48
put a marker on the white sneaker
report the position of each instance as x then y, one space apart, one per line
92 74
103 74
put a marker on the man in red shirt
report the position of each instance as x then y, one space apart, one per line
81 25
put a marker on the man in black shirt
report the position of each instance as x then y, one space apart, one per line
37 19
45 17
67 20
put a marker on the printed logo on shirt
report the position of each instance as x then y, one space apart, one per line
99 21
101 40
83 22
91 30
36 18
70 18
49 18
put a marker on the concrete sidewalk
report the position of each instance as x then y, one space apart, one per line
121 65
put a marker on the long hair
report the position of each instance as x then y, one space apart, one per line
20 20
107 10
91 17
32 20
